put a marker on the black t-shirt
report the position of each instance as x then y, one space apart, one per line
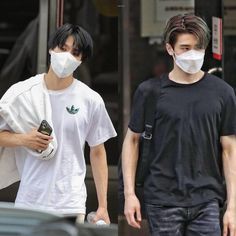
186 164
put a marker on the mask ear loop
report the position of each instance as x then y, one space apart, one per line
173 54
174 57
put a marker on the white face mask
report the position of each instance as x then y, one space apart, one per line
191 61
63 63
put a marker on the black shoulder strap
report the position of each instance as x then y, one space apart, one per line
150 105
149 118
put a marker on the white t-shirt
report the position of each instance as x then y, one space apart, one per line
78 116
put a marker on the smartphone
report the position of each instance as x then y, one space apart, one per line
45 128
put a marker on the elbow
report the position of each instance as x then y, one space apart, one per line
97 151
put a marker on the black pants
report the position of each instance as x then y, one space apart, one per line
201 220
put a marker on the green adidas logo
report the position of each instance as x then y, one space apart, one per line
72 110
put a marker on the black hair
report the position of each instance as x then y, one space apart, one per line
82 39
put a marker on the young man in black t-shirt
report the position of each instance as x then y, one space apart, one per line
193 144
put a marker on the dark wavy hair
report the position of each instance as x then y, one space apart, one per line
82 39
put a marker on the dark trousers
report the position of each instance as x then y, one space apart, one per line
199 220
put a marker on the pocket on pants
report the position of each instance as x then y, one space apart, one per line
164 220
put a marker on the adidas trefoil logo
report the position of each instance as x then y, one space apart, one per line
72 110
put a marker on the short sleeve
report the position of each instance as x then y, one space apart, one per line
101 128
136 123
228 121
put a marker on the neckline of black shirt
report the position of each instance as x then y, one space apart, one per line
167 81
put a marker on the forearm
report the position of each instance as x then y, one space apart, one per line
33 140
229 164
100 174
229 161
9 139
132 208
129 162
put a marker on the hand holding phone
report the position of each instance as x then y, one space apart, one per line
45 128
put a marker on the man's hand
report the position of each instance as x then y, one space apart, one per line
132 211
102 214
229 223
35 140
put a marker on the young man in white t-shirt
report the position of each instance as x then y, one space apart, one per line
78 116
